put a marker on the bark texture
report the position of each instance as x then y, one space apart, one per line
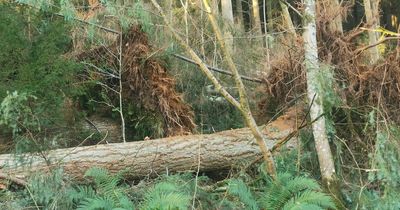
239 13
227 12
287 20
256 17
324 153
336 24
322 146
372 16
153 157
227 15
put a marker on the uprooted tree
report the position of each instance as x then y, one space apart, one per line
143 78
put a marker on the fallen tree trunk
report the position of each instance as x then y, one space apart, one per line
216 151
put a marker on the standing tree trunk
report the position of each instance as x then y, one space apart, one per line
372 16
333 8
287 20
256 17
227 15
324 153
268 20
239 14
214 7
227 12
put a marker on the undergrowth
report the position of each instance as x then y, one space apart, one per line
103 190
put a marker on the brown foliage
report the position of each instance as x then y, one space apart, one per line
363 84
146 81
360 85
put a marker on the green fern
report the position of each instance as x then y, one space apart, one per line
304 207
238 188
81 193
48 191
105 184
96 203
107 194
309 200
165 196
289 192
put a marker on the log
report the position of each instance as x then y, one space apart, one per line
209 152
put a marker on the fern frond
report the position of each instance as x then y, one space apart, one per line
108 191
168 201
317 198
98 174
125 203
96 203
302 207
276 198
108 186
238 188
82 192
298 184
166 187
293 192
166 196
310 197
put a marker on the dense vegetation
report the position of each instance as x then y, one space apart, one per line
76 73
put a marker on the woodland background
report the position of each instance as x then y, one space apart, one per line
112 74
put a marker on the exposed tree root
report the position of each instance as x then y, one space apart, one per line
146 81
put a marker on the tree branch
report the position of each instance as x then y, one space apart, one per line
217 69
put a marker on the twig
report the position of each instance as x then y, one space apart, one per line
354 159
100 70
92 24
375 44
293 133
92 124
80 144
81 21
291 7
197 175
33 198
120 69
181 57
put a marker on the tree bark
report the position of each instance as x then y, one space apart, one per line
325 158
372 17
256 17
324 153
227 15
210 152
333 8
269 19
227 12
239 14
287 21
214 7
